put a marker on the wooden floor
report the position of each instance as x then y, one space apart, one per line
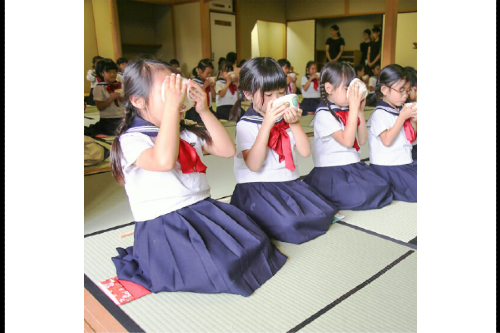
96 318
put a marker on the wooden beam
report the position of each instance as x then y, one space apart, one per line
390 30
346 7
238 32
206 47
174 33
115 29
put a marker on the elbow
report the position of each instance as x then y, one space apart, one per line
166 164
230 152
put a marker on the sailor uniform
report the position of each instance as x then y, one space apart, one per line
191 114
338 173
393 163
111 116
183 239
286 208
311 96
224 104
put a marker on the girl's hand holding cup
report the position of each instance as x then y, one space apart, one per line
409 110
173 92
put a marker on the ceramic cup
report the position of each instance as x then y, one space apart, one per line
212 78
292 101
188 101
292 75
318 74
232 74
411 105
362 88
120 91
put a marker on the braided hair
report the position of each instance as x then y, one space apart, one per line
137 81
336 73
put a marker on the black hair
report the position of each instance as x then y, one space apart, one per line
359 67
105 65
411 76
174 62
263 74
388 76
376 29
121 60
375 65
138 80
284 62
221 59
336 73
94 59
146 56
242 62
336 28
231 56
367 31
309 64
225 66
204 63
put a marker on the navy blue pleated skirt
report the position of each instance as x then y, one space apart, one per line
309 104
402 178
354 186
208 247
291 211
191 114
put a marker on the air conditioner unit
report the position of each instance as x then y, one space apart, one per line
221 5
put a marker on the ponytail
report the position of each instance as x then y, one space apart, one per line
324 99
235 113
116 153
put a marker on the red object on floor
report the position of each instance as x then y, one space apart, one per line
121 291
102 136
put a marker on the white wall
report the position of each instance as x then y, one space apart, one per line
300 45
188 35
406 35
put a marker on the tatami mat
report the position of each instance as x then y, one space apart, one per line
397 220
316 274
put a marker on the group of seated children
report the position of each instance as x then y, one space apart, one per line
186 241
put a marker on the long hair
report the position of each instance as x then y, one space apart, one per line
336 28
336 73
225 66
137 81
388 76
309 64
258 74
411 75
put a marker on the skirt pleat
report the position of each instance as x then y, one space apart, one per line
291 211
402 179
208 247
354 186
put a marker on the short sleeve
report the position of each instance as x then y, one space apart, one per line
380 121
325 124
304 81
372 82
342 42
133 145
246 133
99 94
219 86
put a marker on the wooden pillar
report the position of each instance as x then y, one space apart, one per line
206 47
174 33
390 30
238 32
115 29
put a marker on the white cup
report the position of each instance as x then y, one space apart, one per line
318 74
120 91
231 74
188 101
212 78
291 99
362 88
292 75
411 105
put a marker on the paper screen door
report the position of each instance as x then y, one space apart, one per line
300 46
223 36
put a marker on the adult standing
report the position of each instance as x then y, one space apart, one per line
334 45
375 48
364 47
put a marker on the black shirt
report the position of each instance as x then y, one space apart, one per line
375 50
364 51
334 45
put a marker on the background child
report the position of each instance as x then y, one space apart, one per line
338 174
393 128
371 99
268 186
92 77
122 63
290 79
108 99
176 65
226 90
310 88
411 75
183 239
201 74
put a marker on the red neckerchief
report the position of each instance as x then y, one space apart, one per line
316 84
189 159
409 131
279 141
111 88
233 88
344 115
207 91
